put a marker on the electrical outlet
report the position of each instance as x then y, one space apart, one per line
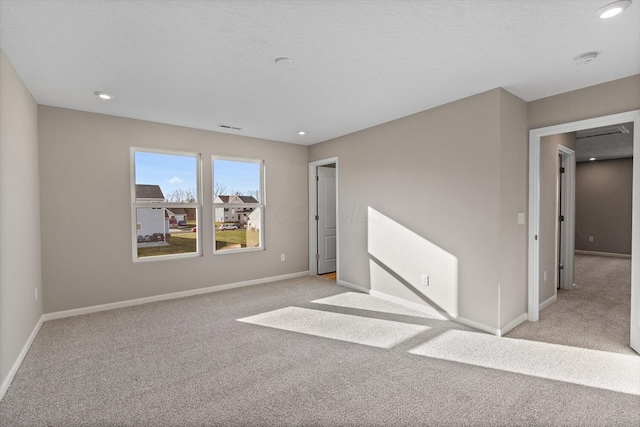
591 238
35 291
425 280
281 257
545 276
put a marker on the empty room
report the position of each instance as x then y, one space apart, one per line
314 212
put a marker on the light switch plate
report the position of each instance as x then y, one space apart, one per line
520 217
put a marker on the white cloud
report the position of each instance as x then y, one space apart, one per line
175 180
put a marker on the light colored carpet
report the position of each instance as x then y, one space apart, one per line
594 315
346 327
190 362
611 371
366 302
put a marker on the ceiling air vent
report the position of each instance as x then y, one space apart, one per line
603 131
229 127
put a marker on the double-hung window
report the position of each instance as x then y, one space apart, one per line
165 204
238 204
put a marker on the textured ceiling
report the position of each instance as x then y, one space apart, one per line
355 63
603 143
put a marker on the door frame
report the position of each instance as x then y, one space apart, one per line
535 136
313 205
569 205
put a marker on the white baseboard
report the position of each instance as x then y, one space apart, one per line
430 311
164 297
547 303
610 254
493 331
515 322
478 325
352 286
424 309
16 365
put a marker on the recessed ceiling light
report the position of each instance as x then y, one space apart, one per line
585 58
103 95
612 9
283 61
592 158
301 132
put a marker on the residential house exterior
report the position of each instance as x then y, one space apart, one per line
176 215
254 220
150 221
236 214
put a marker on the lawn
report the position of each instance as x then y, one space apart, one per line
183 243
232 239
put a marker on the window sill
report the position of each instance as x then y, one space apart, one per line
166 257
237 251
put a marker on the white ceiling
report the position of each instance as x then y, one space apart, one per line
355 63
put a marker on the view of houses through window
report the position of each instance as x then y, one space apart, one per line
237 204
166 205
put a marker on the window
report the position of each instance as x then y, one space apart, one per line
165 204
238 204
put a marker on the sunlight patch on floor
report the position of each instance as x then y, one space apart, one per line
593 368
367 302
344 327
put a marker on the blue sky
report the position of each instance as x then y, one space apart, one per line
173 172
169 171
242 177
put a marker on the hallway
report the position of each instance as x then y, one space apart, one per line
594 315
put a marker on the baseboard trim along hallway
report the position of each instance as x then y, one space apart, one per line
546 303
594 253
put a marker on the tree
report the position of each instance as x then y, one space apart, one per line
254 193
219 190
182 196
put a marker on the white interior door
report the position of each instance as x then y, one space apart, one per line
326 219
566 208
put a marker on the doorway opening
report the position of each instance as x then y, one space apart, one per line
583 132
323 219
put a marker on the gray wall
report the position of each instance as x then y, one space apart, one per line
547 236
603 205
20 272
85 182
607 98
513 199
453 177
612 97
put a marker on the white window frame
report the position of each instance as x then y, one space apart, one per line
167 205
260 205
